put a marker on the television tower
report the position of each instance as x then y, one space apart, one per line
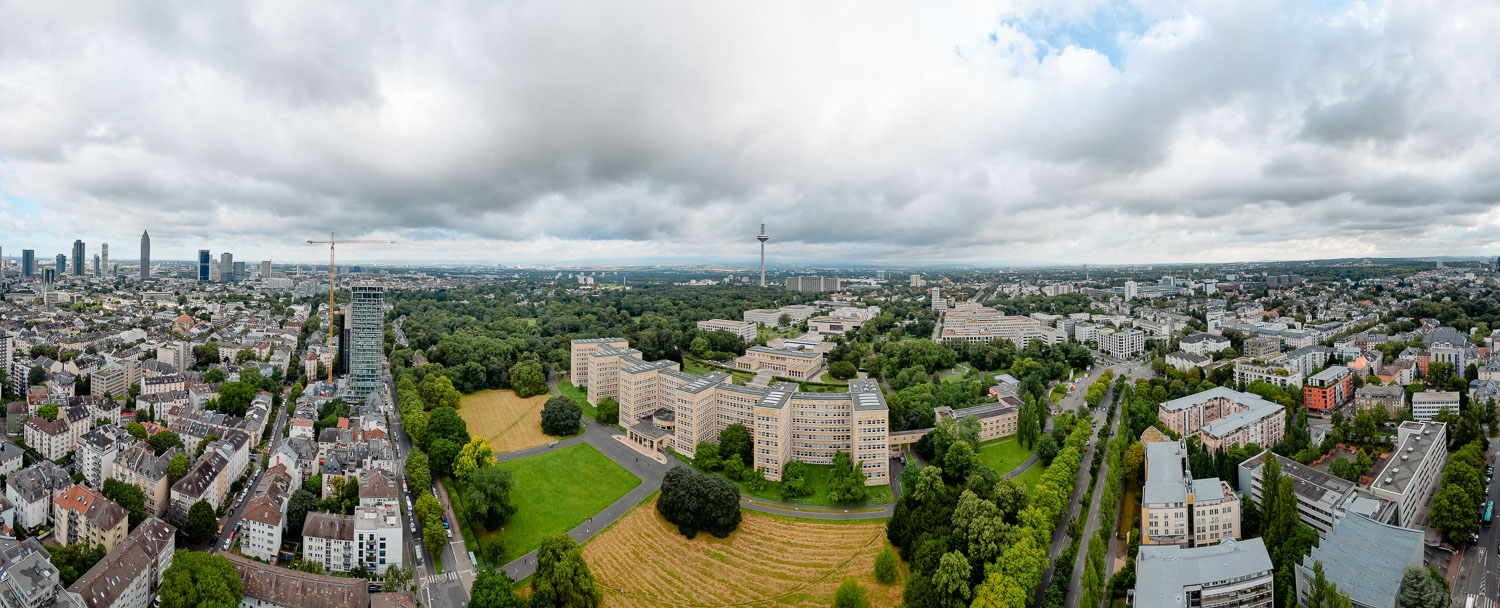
763 238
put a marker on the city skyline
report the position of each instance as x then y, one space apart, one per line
1046 133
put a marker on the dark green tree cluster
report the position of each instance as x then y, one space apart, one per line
446 435
129 496
560 417
562 579
1422 587
200 580
74 560
608 411
1461 493
487 496
1287 538
202 523
979 540
694 501
494 590
847 483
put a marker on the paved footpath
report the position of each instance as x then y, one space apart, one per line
1075 589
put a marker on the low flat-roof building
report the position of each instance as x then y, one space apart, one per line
996 420
745 330
1365 559
1427 404
1231 573
1410 471
1322 499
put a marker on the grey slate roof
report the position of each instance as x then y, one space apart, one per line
1366 559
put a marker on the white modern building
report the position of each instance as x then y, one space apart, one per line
1413 468
1427 404
744 329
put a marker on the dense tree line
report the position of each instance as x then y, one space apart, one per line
694 501
978 539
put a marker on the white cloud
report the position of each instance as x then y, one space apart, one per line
534 131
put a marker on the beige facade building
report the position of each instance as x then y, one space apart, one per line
84 516
794 364
1179 510
1224 417
663 408
139 467
996 420
745 330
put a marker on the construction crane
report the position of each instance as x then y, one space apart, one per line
331 242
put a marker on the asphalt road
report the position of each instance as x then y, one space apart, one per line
449 589
231 520
1075 588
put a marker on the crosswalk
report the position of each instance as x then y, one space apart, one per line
450 575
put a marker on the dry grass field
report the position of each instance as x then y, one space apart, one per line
769 561
509 422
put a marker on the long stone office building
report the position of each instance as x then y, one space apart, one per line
666 408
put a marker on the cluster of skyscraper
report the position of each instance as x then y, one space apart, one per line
77 263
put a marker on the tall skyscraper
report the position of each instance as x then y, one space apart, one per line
226 267
205 260
265 269
78 258
763 238
104 257
145 255
366 338
98 270
62 264
28 263
239 272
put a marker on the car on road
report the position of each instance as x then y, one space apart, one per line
227 543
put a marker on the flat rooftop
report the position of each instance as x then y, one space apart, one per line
1163 571
1419 441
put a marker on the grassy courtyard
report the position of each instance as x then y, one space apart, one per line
578 395
1003 454
817 478
703 368
555 492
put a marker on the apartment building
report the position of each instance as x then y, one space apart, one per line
1122 344
1390 398
812 284
1224 417
28 579
1427 404
33 489
138 466
82 515
96 456
1179 510
1183 361
971 322
130 574
1247 371
328 540
265 515
50 438
1233 573
771 317
794 364
1261 346
1203 344
11 456
1366 559
832 326
1323 499
665 408
743 329
1329 389
207 480
1407 478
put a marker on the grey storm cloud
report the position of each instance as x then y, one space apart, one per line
538 131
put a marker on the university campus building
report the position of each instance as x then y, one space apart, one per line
663 408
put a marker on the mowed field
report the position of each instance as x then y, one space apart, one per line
768 561
509 422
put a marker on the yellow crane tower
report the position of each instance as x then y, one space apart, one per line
331 242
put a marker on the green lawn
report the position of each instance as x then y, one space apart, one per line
829 379
703 368
579 396
1032 476
818 476
1059 391
555 492
1003 454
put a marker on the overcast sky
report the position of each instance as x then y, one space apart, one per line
556 131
